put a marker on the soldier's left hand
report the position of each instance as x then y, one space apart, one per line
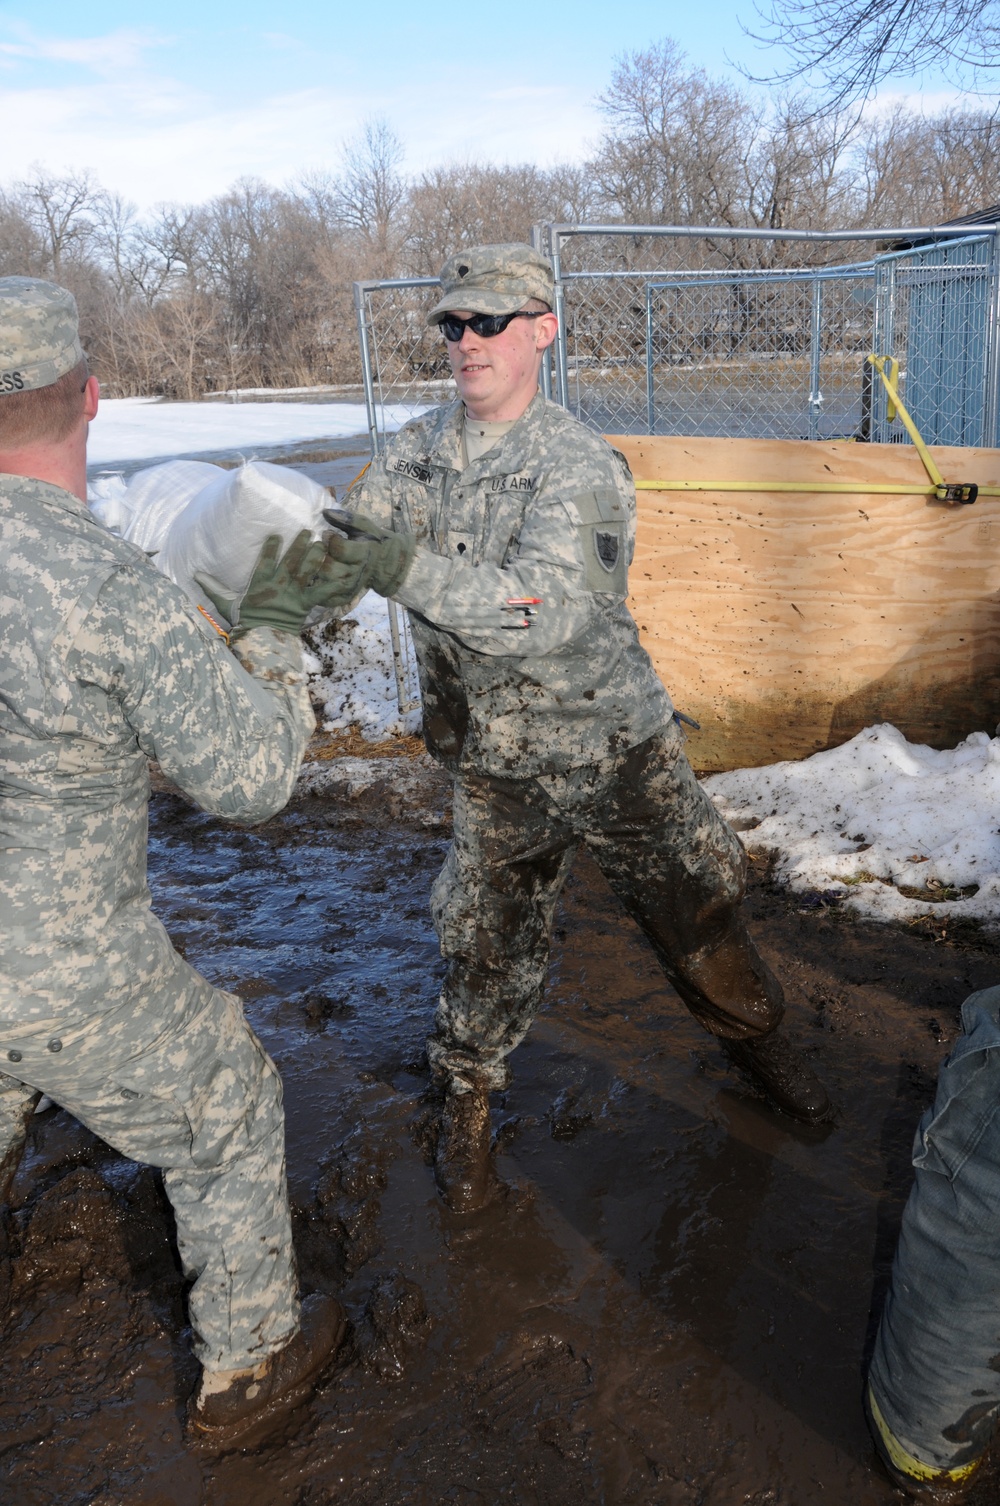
382 558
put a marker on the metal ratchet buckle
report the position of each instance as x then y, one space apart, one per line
957 491
524 606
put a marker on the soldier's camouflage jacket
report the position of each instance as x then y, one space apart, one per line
104 664
549 513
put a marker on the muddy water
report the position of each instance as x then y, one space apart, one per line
670 1309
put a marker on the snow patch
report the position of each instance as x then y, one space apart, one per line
892 830
351 673
142 428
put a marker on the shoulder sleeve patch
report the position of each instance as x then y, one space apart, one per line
604 540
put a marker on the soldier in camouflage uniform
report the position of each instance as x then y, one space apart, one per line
105 664
506 528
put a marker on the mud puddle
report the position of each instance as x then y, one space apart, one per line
672 1307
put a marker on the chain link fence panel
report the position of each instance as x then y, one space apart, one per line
776 355
936 314
714 334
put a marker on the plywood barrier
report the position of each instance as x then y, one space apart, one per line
785 622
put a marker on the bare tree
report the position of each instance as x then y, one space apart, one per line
671 153
61 212
853 45
370 188
915 169
22 252
682 148
476 203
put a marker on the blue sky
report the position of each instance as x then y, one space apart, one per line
178 102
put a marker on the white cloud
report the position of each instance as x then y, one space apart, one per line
105 55
155 139
147 134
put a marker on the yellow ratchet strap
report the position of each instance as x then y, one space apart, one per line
944 491
893 378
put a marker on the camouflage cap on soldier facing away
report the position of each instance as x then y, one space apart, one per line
39 334
493 280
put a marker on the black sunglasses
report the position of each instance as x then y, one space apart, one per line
484 325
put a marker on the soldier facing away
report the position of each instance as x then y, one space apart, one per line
506 528
104 663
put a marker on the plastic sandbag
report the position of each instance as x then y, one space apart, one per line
156 498
107 498
222 529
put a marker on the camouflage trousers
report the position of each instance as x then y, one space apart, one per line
202 1100
677 867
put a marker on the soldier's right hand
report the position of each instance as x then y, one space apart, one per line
284 588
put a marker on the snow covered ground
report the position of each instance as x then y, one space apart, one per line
890 829
351 670
143 428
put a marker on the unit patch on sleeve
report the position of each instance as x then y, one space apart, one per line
608 546
602 530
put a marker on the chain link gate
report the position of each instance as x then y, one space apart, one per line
775 354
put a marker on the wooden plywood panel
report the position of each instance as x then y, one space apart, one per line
785 622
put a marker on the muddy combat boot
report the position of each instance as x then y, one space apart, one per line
775 1067
920 1482
231 1405
463 1163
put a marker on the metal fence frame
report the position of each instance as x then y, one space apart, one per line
552 239
813 277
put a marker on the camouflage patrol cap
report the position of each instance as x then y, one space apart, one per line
493 280
39 334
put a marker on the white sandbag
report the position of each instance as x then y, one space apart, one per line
107 498
221 531
156 497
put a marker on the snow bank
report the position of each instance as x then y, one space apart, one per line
891 829
351 672
143 428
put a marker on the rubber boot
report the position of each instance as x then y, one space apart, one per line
253 1400
921 1482
463 1161
775 1067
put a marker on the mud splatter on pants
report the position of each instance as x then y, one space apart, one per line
200 1098
679 870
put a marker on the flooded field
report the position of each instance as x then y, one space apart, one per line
670 1309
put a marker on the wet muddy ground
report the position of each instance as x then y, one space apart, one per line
672 1307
